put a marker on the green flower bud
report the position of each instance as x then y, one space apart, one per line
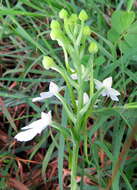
73 19
55 24
56 34
86 31
48 62
63 14
83 15
60 37
93 48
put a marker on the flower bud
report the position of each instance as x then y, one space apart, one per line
73 19
55 24
56 34
86 31
93 48
83 15
48 62
63 14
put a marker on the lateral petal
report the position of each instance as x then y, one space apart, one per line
98 84
34 124
53 88
45 95
113 97
107 82
114 92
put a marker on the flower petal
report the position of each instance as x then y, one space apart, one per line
107 83
98 84
46 117
26 135
104 92
114 92
53 88
45 120
37 99
113 97
45 95
35 127
35 124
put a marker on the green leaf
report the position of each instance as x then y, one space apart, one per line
124 46
48 157
121 20
131 36
113 35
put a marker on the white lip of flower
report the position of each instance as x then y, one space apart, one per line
36 127
107 91
53 90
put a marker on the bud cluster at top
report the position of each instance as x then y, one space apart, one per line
68 32
57 32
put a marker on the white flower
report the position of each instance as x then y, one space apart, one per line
53 89
107 91
36 127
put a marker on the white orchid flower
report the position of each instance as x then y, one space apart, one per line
53 89
107 91
31 130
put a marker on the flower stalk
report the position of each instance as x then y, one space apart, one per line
74 166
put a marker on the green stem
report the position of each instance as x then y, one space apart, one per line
85 132
77 61
129 5
69 83
66 58
74 166
91 76
80 35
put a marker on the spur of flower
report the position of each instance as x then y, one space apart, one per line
53 90
30 131
107 90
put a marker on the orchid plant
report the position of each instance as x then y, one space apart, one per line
74 38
